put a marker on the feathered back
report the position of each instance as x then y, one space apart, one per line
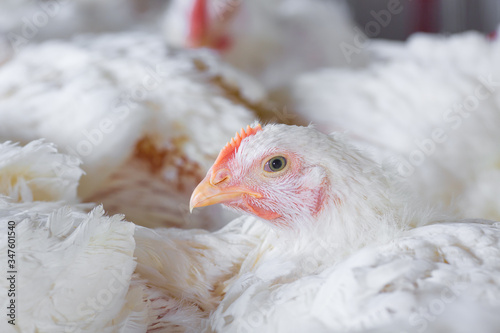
432 105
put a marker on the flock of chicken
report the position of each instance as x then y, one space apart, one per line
386 225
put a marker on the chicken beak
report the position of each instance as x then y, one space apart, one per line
206 194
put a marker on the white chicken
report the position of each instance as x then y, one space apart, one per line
427 103
332 248
431 104
271 40
341 251
144 119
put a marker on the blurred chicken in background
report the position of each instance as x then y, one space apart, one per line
270 40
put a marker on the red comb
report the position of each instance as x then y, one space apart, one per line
235 142
198 24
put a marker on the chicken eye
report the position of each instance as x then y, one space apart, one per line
275 164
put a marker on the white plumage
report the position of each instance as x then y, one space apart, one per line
366 262
64 258
277 40
145 119
74 271
79 272
253 276
37 172
439 278
361 266
431 104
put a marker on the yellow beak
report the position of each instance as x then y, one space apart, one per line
206 194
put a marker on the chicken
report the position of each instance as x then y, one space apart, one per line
333 243
424 98
271 40
430 104
346 247
144 119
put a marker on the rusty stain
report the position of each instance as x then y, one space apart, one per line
200 65
146 150
157 158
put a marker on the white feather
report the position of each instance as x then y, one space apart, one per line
146 120
430 104
378 274
37 172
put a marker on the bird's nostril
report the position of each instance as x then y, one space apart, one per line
220 176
